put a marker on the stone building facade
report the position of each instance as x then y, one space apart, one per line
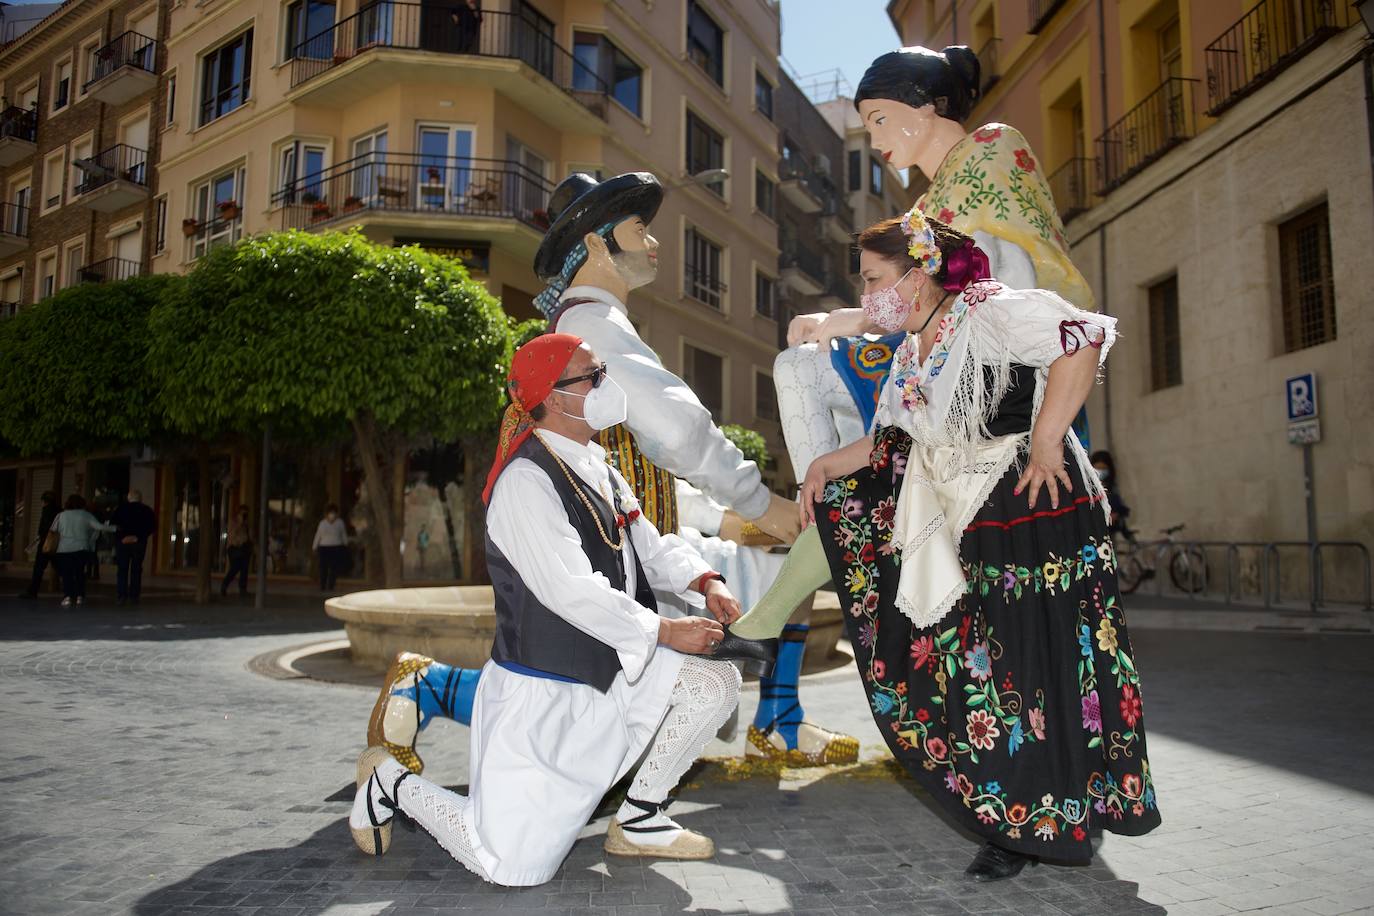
1214 170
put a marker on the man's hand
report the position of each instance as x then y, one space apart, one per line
781 519
721 604
692 635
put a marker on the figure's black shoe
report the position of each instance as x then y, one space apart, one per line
758 655
993 863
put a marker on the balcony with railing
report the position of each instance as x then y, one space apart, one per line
989 67
1041 11
401 189
14 229
837 220
124 69
18 134
115 178
1163 120
109 270
704 285
509 52
802 268
838 293
1264 42
1071 185
801 186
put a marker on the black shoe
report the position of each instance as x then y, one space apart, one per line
759 655
993 863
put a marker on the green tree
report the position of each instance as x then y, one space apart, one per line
74 370
754 446
316 335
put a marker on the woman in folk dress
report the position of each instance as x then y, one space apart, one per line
971 555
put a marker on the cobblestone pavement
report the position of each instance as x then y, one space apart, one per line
146 769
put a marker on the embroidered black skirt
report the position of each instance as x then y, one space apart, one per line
1020 711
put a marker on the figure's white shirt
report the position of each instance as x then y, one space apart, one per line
672 427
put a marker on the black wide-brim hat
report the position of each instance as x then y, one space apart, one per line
581 204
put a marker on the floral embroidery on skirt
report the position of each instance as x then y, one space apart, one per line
1021 710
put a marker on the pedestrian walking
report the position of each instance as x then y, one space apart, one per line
135 522
42 558
77 530
1105 467
239 550
331 547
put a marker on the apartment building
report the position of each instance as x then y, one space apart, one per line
1212 163
425 124
77 185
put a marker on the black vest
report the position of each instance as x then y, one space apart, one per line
528 633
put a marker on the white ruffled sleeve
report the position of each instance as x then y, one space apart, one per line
1037 326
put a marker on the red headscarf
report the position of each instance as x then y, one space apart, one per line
533 371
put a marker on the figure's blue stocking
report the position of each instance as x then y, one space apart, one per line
444 691
779 706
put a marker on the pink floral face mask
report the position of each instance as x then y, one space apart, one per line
886 308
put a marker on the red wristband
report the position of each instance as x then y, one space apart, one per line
700 584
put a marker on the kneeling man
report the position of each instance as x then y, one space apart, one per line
584 674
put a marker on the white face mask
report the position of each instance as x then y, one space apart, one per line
602 407
1102 473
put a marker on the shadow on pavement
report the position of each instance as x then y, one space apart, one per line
860 838
159 619
1292 701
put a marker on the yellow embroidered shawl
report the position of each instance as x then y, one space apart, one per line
991 182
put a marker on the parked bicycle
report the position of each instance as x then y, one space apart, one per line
1136 561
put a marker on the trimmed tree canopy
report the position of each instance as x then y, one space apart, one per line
311 331
754 446
75 372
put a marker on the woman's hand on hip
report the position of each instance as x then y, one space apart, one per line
1044 467
813 486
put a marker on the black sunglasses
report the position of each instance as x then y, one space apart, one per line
596 375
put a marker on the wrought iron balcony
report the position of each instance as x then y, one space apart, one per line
115 178
110 269
803 268
1165 119
839 292
14 228
18 134
988 65
803 188
431 28
414 183
1041 11
1264 42
124 69
1070 185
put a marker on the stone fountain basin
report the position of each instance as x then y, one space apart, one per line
453 623
456 623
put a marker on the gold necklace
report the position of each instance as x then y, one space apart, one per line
596 516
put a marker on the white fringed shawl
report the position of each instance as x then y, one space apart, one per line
946 403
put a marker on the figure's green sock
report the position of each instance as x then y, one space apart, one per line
803 572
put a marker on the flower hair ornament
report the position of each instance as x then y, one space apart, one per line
967 264
921 241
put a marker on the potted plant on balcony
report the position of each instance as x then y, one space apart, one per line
352 203
433 175
190 226
320 211
229 210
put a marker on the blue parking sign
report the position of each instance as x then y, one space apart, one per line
1302 397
